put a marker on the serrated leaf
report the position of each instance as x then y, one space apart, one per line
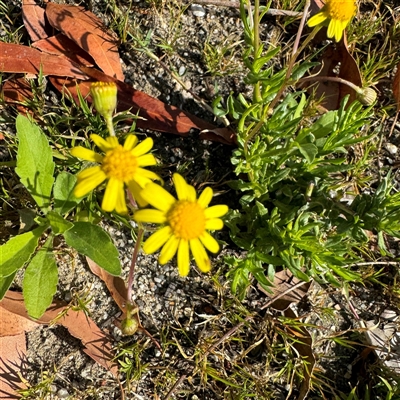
93 242
58 223
64 199
16 252
40 281
35 165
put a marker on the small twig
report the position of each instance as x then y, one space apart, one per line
133 263
236 4
397 263
177 383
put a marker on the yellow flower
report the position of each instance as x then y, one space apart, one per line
339 13
120 165
186 222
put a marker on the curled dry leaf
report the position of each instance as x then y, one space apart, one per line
89 33
96 344
335 57
35 21
17 91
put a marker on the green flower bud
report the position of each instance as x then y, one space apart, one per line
129 326
366 96
104 95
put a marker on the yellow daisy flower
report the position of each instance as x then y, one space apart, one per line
120 165
339 13
186 222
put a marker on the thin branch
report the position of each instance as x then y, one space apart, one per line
177 383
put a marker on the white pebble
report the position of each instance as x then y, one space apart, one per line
197 10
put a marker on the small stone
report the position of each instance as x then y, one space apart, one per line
197 10
62 394
391 148
182 70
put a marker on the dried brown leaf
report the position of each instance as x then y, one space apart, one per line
12 361
157 115
60 45
115 284
97 344
335 58
88 32
35 21
16 58
17 91
284 282
304 347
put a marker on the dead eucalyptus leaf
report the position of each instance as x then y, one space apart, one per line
283 282
60 45
89 33
156 115
16 58
96 344
35 21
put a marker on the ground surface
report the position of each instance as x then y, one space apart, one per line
188 315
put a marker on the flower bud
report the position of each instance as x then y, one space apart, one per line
104 95
129 326
366 96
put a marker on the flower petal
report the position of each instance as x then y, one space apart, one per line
143 147
183 258
214 224
120 206
205 197
181 186
216 211
158 197
113 190
85 186
130 142
317 19
150 216
169 250
156 240
209 242
101 143
191 193
86 154
144 176
146 160
90 172
136 190
200 255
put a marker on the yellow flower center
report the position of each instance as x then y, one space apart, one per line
341 10
120 164
187 220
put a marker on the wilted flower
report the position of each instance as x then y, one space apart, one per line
120 165
339 13
186 222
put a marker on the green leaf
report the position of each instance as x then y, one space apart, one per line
58 223
308 150
35 165
5 283
93 242
64 199
16 252
40 281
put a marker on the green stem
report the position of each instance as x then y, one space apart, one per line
256 45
